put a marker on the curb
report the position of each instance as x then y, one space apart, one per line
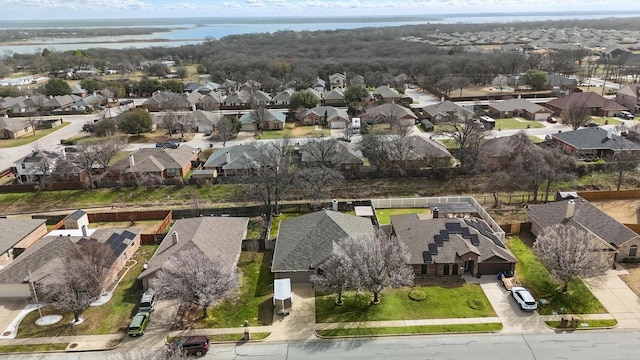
402 335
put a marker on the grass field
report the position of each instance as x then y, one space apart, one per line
441 303
511 123
589 324
384 215
605 120
30 137
31 348
293 131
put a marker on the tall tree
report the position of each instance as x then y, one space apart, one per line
135 122
570 253
380 260
576 116
535 78
78 278
56 87
337 274
469 138
304 99
192 277
226 129
178 123
98 153
529 168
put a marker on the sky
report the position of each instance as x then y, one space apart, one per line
112 9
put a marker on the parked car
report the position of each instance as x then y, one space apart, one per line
626 115
126 102
138 323
552 119
192 345
148 301
170 145
591 124
524 298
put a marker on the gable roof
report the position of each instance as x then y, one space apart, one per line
588 99
332 112
595 138
156 159
217 238
272 115
239 154
309 239
386 92
427 148
586 216
207 117
387 109
344 152
335 94
519 104
445 107
445 240
14 230
13 124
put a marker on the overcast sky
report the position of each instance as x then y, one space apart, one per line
108 9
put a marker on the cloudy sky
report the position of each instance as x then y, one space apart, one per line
108 9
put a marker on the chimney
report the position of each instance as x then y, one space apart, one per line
571 209
132 162
228 157
334 205
610 134
174 237
64 154
435 212
84 230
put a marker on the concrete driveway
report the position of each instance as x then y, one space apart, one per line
622 303
9 310
513 319
301 321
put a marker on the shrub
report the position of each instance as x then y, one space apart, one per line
417 295
426 125
476 304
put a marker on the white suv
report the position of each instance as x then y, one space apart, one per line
626 115
524 298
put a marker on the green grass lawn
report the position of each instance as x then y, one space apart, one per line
380 129
275 225
30 348
395 304
292 131
384 215
511 123
535 277
590 324
238 337
411 330
30 137
253 302
443 128
254 229
110 318
535 139
451 144
605 120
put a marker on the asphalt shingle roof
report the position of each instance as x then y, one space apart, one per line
595 138
586 216
14 230
308 240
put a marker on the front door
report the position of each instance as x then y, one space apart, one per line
468 266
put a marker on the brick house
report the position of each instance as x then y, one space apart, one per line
161 162
17 236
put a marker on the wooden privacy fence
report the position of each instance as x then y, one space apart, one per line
117 216
157 236
609 195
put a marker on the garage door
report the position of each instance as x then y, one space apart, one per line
493 268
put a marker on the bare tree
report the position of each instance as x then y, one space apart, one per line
570 253
226 130
623 161
315 179
78 278
192 277
469 138
336 274
178 123
576 116
560 166
380 261
528 167
324 152
99 153
260 116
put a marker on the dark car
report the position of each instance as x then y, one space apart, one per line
170 145
192 345
126 102
592 124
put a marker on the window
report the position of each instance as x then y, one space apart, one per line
633 251
423 269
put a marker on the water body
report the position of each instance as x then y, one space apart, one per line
188 31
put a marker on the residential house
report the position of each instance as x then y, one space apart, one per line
390 113
597 104
167 100
594 141
13 128
498 150
452 246
211 100
417 152
33 167
283 98
271 119
233 160
228 87
561 83
62 102
357 80
247 98
337 80
17 236
88 102
218 238
445 111
318 85
519 108
192 86
344 156
629 97
303 243
160 162
318 95
614 238
402 80
387 94
207 120
335 97
77 90
334 118
251 85
208 88
39 262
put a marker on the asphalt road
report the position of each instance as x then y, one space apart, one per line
583 345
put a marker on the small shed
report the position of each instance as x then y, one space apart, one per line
76 220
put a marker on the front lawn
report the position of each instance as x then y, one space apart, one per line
384 215
253 302
110 318
30 137
395 304
292 131
605 120
586 324
407 330
535 277
511 123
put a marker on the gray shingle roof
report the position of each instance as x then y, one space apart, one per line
419 237
14 230
595 138
308 240
219 157
217 238
445 107
156 159
586 216
518 104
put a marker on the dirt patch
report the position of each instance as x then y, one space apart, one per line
622 210
633 278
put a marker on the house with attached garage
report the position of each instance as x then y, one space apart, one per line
162 163
334 118
390 113
452 246
303 243
233 160
207 120
445 111
519 108
343 156
385 93
13 128
619 241
219 238
594 141
629 96
597 104
272 120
